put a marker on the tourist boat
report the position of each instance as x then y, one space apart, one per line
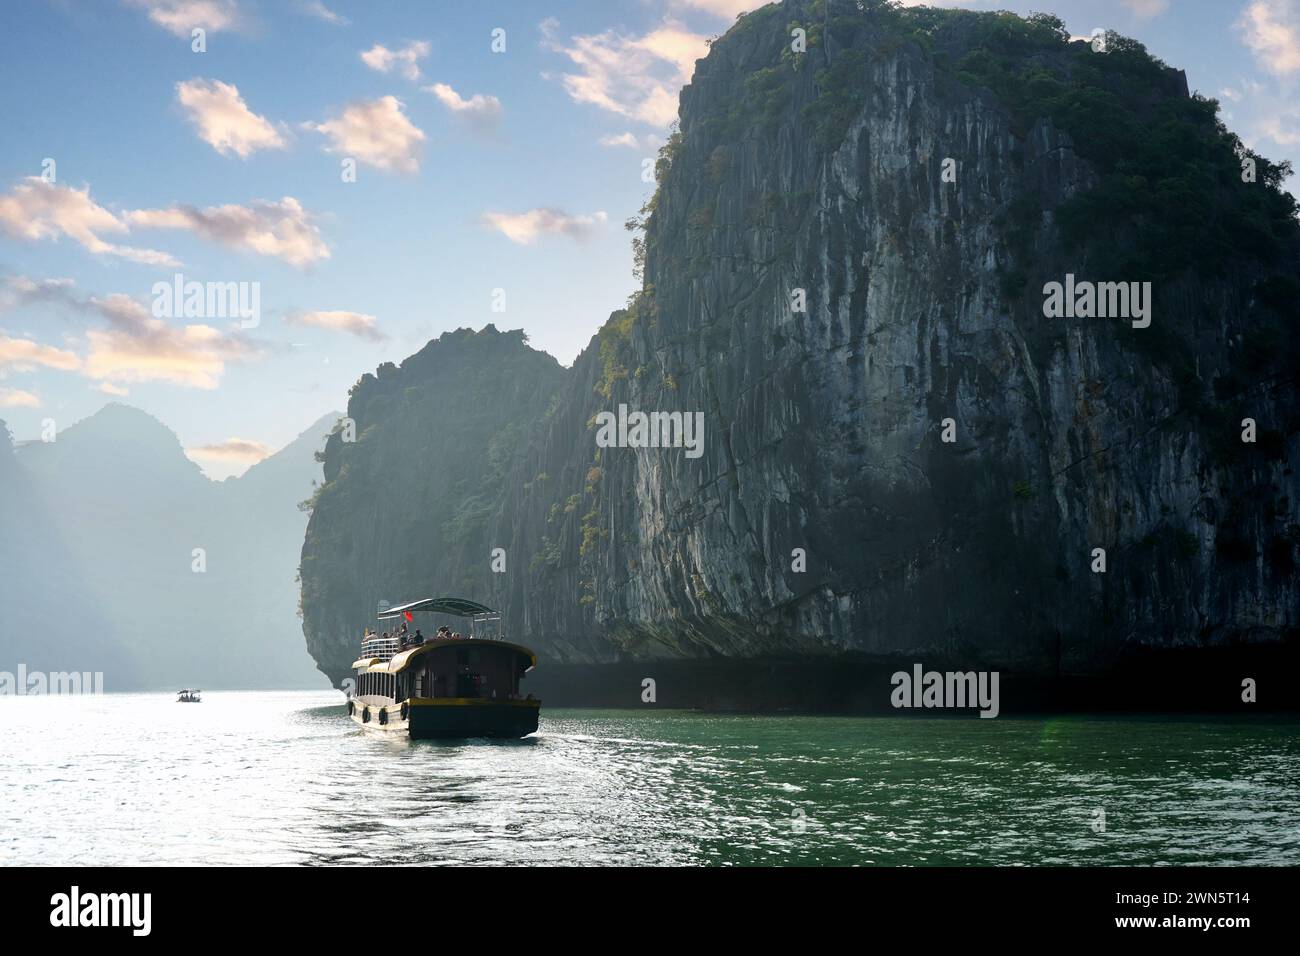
188 696
444 687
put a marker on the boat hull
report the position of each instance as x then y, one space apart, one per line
452 718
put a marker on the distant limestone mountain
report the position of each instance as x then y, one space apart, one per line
99 531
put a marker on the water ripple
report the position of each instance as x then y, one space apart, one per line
286 778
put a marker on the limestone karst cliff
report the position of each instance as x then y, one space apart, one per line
847 248
409 496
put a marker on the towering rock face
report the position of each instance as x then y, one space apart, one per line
413 479
845 267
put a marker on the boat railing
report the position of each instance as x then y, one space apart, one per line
384 647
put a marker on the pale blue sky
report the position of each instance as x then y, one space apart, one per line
517 192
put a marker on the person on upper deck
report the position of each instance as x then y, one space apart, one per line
418 639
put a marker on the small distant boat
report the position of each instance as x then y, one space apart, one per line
188 696
444 687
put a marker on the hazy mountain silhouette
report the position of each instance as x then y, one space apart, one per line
98 568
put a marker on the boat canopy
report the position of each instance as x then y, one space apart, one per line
400 661
457 607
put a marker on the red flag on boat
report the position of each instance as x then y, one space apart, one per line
408 615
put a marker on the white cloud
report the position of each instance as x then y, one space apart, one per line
360 324
224 121
17 398
194 356
35 209
122 312
376 132
243 450
1282 126
134 346
18 291
648 141
620 139
23 355
635 76
281 229
139 348
480 110
525 227
108 388
182 16
1270 28
405 61
321 12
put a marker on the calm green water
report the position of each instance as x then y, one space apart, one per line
274 778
